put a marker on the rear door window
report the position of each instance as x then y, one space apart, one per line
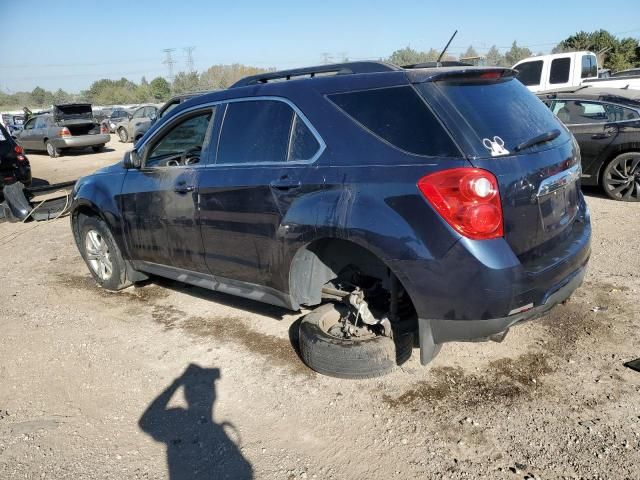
576 112
41 122
560 70
530 73
264 131
399 116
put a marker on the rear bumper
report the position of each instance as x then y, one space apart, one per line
481 288
81 141
440 331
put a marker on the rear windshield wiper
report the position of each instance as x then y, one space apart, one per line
545 137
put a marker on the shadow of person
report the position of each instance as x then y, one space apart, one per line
197 447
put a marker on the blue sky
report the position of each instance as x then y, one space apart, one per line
110 39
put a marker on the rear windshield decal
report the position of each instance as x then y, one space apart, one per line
495 146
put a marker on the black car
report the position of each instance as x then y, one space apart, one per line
14 165
394 201
606 124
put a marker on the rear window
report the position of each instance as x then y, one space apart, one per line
505 109
560 70
589 66
400 117
529 73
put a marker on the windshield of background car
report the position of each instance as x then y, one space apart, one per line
503 108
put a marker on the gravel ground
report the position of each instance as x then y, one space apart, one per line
170 381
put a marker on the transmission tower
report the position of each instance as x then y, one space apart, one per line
189 52
326 58
169 61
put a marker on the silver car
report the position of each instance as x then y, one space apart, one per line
143 114
66 127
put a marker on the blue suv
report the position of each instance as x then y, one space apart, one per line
401 204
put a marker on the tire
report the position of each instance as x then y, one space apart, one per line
117 278
621 177
98 148
123 135
51 149
367 358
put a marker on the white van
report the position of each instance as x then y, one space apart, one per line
571 69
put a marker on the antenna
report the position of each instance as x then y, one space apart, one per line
169 61
189 52
446 46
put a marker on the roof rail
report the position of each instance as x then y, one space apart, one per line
310 72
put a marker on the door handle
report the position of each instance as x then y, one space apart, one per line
183 188
600 136
285 183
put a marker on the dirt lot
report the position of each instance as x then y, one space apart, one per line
122 386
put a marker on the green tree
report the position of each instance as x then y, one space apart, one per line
495 58
223 76
516 53
185 82
614 53
160 89
471 52
38 96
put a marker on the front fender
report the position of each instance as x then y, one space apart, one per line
97 194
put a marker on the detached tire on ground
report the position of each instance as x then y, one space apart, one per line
98 148
102 255
353 358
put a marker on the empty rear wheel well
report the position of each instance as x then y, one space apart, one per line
344 265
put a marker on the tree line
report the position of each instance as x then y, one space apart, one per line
614 53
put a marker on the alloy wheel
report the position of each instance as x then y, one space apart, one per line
98 255
622 178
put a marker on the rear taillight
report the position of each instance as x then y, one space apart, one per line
104 129
468 199
20 151
65 132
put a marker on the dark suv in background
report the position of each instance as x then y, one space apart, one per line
14 165
438 202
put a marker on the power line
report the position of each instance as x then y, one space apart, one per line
189 62
169 61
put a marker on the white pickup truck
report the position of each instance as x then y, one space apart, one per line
550 72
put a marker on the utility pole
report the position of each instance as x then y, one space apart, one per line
189 52
169 61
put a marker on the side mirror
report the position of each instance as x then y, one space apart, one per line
131 160
129 116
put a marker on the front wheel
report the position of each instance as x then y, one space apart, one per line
621 177
123 135
52 151
324 350
102 255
